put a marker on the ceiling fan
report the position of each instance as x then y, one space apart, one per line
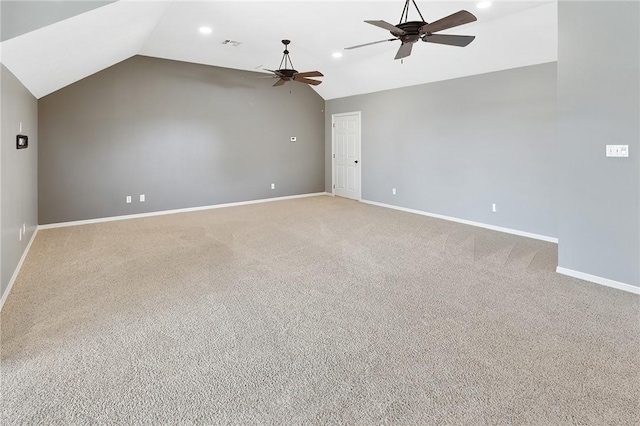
411 31
289 74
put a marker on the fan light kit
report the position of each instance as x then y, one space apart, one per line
290 74
408 32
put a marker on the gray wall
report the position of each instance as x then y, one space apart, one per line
184 135
599 104
455 147
18 173
20 16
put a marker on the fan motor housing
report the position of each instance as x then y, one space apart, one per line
412 30
288 73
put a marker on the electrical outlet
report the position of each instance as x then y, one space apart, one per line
273 186
142 198
494 208
393 191
128 199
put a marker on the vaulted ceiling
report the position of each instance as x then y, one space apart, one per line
59 49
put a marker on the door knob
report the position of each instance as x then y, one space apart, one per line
356 161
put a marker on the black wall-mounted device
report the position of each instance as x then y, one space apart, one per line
22 141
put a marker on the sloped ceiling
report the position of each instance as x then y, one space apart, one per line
19 16
509 34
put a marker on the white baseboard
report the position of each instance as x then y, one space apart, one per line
467 222
598 280
17 271
164 212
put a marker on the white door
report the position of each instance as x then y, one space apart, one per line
346 155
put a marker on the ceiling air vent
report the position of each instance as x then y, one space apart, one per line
232 43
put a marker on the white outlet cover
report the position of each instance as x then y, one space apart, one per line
617 151
142 198
128 198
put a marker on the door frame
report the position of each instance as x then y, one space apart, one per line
333 151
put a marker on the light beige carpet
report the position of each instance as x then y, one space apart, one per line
311 311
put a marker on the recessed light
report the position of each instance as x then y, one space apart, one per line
337 54
206 30
483 4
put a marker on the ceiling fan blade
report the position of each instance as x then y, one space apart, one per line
404 51
309 74
279 83
387 26
459 18
369 44
307 80
448 39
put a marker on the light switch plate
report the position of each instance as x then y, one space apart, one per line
617 150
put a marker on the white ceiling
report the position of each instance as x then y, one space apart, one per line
509 34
